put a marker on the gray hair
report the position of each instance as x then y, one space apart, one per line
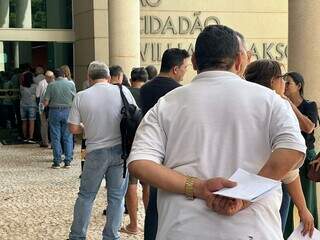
98 70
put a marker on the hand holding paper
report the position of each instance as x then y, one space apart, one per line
297 235
250 187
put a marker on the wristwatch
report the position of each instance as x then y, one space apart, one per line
188 187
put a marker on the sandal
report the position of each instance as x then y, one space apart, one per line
126 230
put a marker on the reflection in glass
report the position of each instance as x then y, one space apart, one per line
55 14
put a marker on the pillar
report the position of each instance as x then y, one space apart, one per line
124 33
4 23
16 54
24 20
4 13
304 51
304 39
23 14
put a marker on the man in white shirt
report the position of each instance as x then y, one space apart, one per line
40 91
210 128
39 75
97 112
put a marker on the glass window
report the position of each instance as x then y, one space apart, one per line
55 14
47 54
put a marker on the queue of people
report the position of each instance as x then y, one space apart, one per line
192 138
235 113
164 139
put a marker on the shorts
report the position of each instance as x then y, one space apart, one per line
28 113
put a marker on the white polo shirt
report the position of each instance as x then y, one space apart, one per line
209 128
99 109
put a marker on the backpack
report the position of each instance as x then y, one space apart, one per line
131 118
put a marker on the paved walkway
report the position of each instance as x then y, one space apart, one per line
37 201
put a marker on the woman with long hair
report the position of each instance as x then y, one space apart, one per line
308 119
268 73
28 105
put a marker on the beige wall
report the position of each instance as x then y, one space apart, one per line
263 23
91 35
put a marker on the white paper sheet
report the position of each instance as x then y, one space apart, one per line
296 234
250 187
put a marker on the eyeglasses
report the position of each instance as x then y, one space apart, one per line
281 76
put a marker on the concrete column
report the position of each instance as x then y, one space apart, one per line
24 20
23 13
304 51
304 39
4 13
16 54
4 23
124 33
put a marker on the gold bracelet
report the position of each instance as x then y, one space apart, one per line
188 187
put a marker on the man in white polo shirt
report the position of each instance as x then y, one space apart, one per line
210 128
98 108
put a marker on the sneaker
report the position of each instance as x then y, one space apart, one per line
67 165
44 145
55 166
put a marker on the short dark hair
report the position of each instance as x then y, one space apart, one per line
173 57
262 71
115 70
298 79
152 71
139 74
58 72
216 48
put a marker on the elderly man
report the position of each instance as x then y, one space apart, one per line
209 128
58 97
97 111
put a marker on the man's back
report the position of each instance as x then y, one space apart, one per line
155 89
100 111
209 128
60 93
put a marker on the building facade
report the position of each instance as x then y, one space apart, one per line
135 33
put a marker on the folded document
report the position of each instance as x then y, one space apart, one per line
296 235
250 187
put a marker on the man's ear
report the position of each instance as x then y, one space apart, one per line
238 62
194 62
175 70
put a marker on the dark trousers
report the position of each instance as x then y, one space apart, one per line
309 192
285 204
151 220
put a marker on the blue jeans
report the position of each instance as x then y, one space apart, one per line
151 220
106 161
58 120
285 204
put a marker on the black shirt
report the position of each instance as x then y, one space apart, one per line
310 110
136 95
155 89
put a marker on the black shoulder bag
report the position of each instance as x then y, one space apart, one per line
131 118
